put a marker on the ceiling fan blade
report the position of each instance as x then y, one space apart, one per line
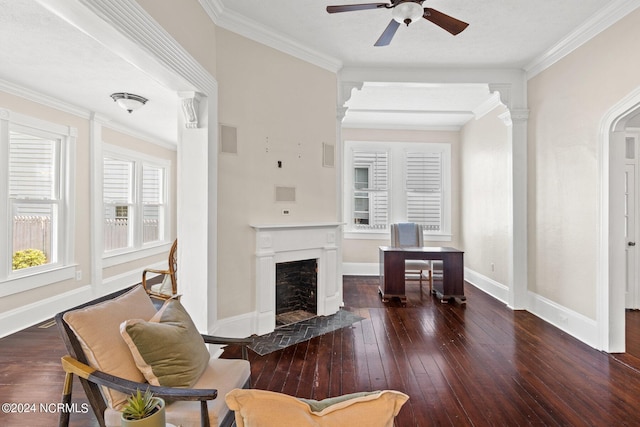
446 22
352 7
388 33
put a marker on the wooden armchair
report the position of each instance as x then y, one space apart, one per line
170 277
100 360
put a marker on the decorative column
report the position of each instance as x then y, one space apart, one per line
516 122
196 217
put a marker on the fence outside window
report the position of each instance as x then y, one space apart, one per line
34 232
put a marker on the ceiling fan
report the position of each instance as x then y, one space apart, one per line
405 12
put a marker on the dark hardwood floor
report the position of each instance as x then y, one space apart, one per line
477 365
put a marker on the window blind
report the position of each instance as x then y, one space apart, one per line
423 186
118 179
32 172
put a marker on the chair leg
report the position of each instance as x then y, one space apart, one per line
204 414
63 419
431 280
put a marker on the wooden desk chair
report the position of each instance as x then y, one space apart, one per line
169 285
411 235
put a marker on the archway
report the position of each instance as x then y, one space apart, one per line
610 314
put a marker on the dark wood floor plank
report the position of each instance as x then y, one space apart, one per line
475 365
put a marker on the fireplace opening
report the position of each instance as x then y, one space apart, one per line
296 289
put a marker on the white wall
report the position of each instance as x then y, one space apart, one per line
567 104
283 109
486 196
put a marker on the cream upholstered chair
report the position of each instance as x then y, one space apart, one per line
408 234
119 343
262 408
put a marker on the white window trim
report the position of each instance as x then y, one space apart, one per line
63 269
397 194
143 250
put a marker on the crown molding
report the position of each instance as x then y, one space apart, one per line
43 99
134 35
83 113
257 32
609 15
402 127
487 106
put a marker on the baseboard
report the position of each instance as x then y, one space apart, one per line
360 269
487 285
240 326
574 324
37 312
569 321
28 315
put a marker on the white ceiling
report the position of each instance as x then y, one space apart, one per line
42 53
501 33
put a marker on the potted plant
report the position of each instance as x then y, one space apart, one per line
143 410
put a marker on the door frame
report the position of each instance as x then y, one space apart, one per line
610 268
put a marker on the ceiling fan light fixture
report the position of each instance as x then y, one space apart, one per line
407 12
129 101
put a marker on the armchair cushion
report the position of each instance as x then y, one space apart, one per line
223 375
97 327
168 349
164 288
262 408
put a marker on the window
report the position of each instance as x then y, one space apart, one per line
370 190
397 182
36 199
135 200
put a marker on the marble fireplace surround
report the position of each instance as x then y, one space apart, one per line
296 242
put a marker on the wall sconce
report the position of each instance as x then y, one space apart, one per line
129 101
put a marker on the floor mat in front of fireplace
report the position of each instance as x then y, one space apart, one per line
302 331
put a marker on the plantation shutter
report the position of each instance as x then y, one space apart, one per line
423 185
371 197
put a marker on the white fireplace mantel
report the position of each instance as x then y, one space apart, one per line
276 243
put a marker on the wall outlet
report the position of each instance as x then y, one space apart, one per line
78 275
493 267
286 211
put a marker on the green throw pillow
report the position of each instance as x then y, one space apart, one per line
168 349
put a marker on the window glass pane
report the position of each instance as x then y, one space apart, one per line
33 234
361 178
32 171
117 230
371 173
630 148
118 179
118 195
152 198
151 223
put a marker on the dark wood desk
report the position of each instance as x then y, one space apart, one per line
392 272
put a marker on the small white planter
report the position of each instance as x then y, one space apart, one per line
156 420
